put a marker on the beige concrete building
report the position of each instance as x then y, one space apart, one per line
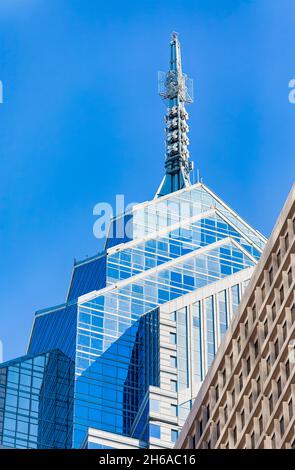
247 399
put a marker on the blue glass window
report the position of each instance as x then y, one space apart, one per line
209 311
35 413
174 435
235 297
174 411
172 338
155 405
155 431
223 316
197 342
173 385
173 361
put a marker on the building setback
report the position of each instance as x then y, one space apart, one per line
247 399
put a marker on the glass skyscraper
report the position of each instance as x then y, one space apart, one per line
120 362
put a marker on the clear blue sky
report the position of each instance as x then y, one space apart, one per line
81 121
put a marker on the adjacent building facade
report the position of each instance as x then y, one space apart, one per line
248 397
142 320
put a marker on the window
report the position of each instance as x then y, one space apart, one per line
231 361
241 381
287 365
250 401
173 316
182 340
256 348
218 429
270 275
265 328
194 441
173 385
155 405
223 377
155 431
223 314
258 385
239 344
235 297
263 292
173 361
210 328
208 412
9 424
243 418
260 424
233 396
174 435
252 441
290 408
248 365
282 425
172 337
268 364
285 330
287 241
225 413
290 277
279 258
216 392
174 410
276 347
254 312
282 294
273 441
273 311
200 428
235 434
270 404
279 386
246 329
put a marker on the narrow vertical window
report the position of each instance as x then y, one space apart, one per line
209 309
182 349
223 317
235 298
197 342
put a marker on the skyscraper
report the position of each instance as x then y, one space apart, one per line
247 400
120 362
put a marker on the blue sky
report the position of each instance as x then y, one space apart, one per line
81 121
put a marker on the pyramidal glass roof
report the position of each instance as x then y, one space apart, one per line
180 242
160 213
192 223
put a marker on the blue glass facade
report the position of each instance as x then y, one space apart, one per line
88 276
121 378
36 401
55 329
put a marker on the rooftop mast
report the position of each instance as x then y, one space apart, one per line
176 88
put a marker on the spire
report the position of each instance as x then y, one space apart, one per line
176 89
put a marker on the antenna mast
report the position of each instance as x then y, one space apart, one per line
176 89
